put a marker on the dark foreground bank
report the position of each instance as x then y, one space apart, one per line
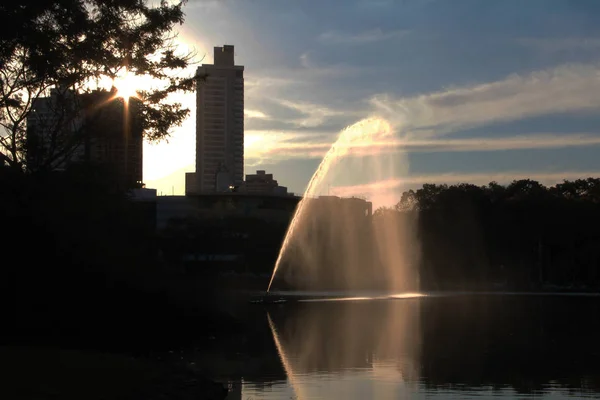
35 372
101 339
110 347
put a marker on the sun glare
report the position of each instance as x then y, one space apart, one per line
126 86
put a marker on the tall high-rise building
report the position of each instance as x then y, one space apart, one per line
219 125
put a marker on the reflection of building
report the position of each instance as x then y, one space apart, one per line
219 125
94 127
263 183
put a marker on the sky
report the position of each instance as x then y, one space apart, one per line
435 91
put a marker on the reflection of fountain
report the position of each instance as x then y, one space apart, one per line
362 343
446 346
284 361
335 243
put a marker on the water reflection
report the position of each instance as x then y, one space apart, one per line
379 342
442 347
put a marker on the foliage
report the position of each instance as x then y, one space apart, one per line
75 44
520 235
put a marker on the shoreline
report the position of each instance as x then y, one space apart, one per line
37 372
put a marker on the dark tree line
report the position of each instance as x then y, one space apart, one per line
523 235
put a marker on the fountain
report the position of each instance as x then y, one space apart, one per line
336 243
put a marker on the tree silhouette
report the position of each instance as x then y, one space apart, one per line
521 235
71 45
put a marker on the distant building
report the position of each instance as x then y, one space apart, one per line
53 123
351 206
96 127
262 183
224 206
219 125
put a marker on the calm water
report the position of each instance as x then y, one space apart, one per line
450 346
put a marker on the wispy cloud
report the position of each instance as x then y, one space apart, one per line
421 122
260 82
568 88
375 3
287 97
202 4
305 61
384 187
302 145
255 114
554 45
311 69
313 114
275 113
277 145
354 39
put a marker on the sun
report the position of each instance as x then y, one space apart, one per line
126 86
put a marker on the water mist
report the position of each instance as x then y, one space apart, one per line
335 244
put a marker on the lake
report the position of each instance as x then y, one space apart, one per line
502 346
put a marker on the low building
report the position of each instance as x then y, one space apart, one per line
223 232
263 183
236 231
355 207
225 205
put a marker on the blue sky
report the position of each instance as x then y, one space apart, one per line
472 90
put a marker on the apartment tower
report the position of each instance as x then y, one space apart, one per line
97 128
219 125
